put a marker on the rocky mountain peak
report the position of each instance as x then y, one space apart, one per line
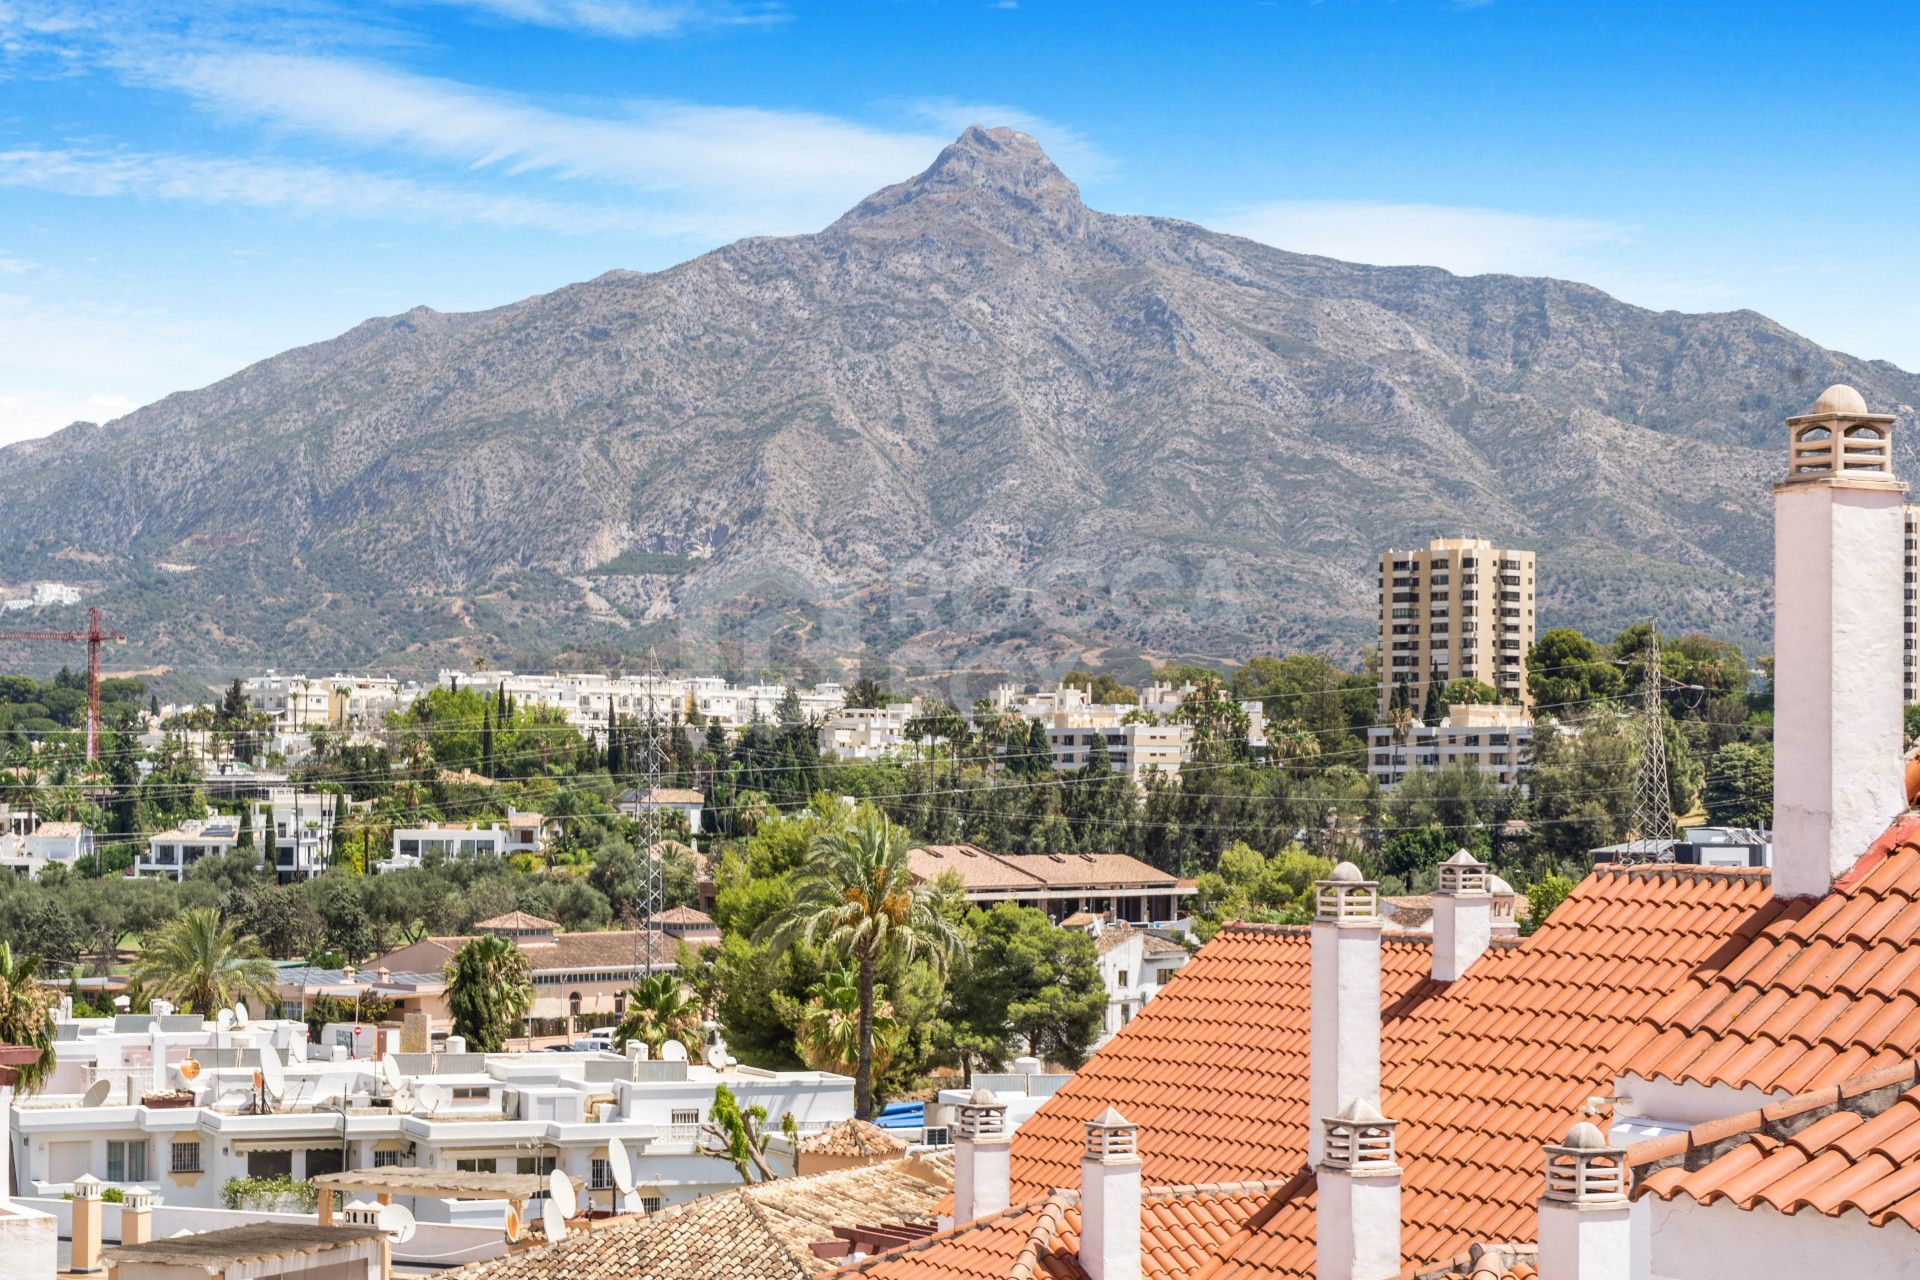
984 167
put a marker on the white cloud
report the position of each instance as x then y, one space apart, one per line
303 188
648 145
626 19
27 414
1464 240
10 266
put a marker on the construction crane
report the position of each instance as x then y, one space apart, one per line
94 637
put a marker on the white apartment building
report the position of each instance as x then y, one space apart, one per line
867 733
1492 738
1073 722
1134 965
413 845
184 1134
298 704
27 851
587 699
43 595
302 826
522 832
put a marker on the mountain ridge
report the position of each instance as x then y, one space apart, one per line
970 424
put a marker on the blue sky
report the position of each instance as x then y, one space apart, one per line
185 189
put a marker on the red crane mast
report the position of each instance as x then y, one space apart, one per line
94 637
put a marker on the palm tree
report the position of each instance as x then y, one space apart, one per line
202 963
488 991
26 1014
828 1036
658 1010
856 894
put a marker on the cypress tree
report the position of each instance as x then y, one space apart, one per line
486 739
1433 712
1039 753
269 846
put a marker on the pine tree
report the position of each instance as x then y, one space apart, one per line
486 739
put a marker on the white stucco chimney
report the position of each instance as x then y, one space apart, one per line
1462 916
1110 1199
1585 1233
1344 1052
1839 544
982 1166
1356 1230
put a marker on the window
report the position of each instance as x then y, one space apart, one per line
938 1136
478 1164
538 1165
599 1175
686 1117
126 1162
389 1159
470 1093
186 1156
269 1164
649 1204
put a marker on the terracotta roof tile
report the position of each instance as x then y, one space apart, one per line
1835 1150
762 1232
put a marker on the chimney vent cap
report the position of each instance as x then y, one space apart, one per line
1585 1136
1840 398
1347 872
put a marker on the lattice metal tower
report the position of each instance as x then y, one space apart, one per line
650 775
1652 810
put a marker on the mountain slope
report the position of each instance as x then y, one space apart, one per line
972 423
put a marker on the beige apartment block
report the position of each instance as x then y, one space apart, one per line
1911 626
1460 608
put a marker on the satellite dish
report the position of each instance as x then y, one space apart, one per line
224 1020
622 1165
673 1051
560 1193
514 1225
429 1096
273 1077
189 1070
397 1221
96 1093
554 1221
390 1072
240 1014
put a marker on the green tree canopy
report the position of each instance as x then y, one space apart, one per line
488 991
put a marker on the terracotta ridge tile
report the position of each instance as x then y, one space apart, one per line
1270 930
1904 831
1053 1215
1900 1074
1198 1189
941 1237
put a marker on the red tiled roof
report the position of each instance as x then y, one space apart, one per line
980 869
1214 1068
1480 1072
1813 992
1181 1228
1854 1147
518 920
1683 972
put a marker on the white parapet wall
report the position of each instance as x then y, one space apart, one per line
29 1243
